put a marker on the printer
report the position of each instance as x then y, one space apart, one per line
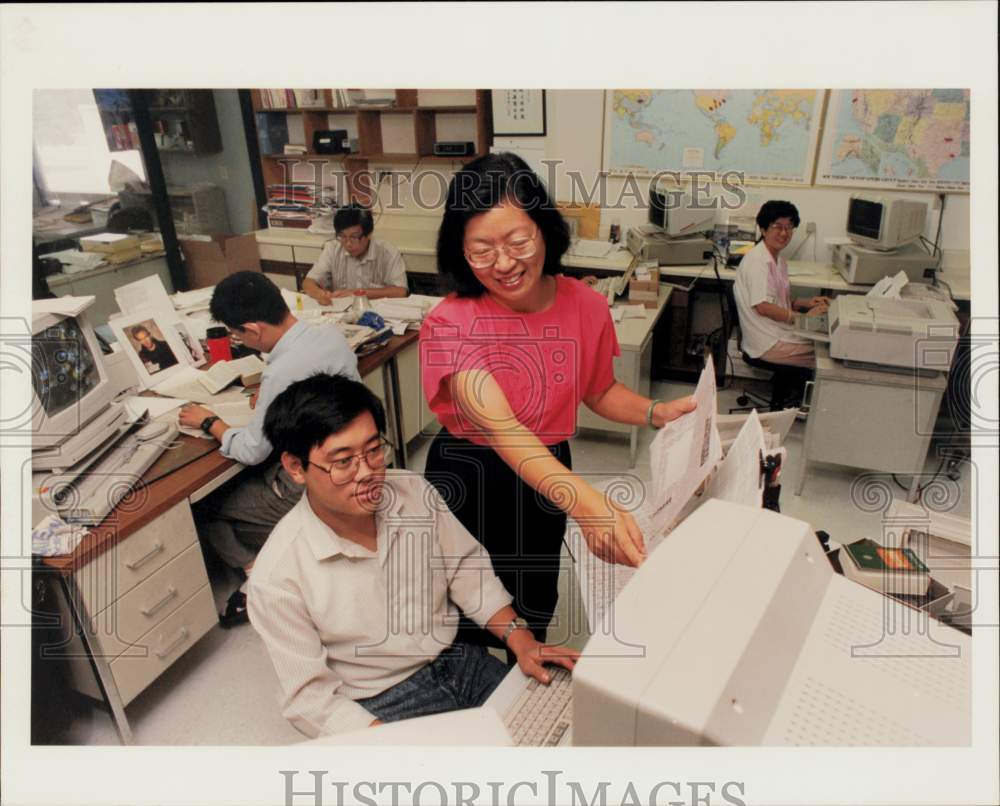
741 633
653 243
907 333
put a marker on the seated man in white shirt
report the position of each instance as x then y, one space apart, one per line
237 519
356 594
763 293
356 260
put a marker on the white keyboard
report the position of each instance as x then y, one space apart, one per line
91 496
543 715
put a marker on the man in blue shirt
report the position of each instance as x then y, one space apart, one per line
237 518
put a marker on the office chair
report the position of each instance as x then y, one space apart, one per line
787 382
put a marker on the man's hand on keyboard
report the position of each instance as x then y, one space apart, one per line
532 656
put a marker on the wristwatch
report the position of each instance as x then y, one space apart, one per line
206 424
515 624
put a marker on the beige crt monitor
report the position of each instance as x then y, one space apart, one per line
751 638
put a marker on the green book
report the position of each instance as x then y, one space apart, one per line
890 570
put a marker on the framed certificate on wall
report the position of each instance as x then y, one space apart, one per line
519 113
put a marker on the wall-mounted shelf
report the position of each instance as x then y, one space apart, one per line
376 128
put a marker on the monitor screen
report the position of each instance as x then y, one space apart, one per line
64 369
864 218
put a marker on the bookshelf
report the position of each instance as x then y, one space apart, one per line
403 132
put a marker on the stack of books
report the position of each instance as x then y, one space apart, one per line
890 570
115 248
297 206
292 99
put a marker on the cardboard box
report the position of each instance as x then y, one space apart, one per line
646 292
209 259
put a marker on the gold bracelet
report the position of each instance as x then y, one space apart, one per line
649 412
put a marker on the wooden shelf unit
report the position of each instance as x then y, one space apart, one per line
368 122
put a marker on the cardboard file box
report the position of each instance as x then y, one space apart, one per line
646 292
210 258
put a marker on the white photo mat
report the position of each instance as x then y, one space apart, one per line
162 328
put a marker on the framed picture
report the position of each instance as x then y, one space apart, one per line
153 343
518 113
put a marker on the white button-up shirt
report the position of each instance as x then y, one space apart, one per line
380 266
342 623
754 285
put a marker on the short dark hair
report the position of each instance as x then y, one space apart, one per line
247 296
310 411
140 329
771 211
353 215
479 187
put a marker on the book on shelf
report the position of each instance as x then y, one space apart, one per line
310 99
889 570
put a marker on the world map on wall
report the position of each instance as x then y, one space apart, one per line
905 139
769 135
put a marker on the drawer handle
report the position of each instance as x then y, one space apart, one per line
157 548
181 638
171 594
807 396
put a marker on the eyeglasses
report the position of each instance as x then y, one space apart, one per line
350 238
343 470
519 248
782 228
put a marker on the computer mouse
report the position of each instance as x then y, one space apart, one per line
151 431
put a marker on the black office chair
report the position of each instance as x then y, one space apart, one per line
787 382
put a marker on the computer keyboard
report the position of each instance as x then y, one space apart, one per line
91 496
543 715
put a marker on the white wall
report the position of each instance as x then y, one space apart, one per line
574 139
575 132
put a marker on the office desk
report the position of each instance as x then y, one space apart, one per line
136 587
101 283
295 251
635 337
869 418
388 387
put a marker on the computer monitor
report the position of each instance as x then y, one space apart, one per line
674 211
884 224
70 383
737 631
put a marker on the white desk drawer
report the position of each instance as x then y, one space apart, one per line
270 251
125 621
306 254
170 639
107 577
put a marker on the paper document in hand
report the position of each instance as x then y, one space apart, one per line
738 478
234 413
684 453
600 582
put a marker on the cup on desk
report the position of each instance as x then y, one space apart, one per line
219 348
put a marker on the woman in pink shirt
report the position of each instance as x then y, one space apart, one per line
506 360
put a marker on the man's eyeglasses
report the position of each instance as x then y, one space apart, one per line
519 248
343 470
344 238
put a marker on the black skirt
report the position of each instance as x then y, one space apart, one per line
520 528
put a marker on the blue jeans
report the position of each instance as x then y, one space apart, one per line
463 676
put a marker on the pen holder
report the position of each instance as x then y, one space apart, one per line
219 348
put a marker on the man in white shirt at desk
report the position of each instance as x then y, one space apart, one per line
763 293
356 593
356 260
237 519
